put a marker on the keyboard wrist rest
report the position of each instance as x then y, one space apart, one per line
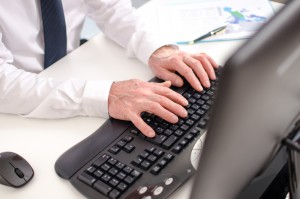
80 154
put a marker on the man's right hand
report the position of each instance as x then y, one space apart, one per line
128 99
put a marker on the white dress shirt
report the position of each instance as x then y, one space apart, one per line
22 56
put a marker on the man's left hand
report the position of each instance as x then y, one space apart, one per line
197 68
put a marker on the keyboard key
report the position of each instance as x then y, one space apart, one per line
102 187
137 161
91 169
192 100
189 122
144 154
195 132
136 174
200 112
177 149
127 169
162 163
169 142
159 130
200 102
102 159
210 102
164 124
184 127
179 133
183 143
195 117
174 127
114 194
210 92
158 152
202 124
195 106
87 179
134 131
98 173
105 167
205 107
112 161
129 180
128 148
120 165
150 149
121 143
122 187
158 139
197 95
187 95
152 158
113 171
114 149
168 132
168 157
127 138
121 175
155 170
145 165
205 97
106 178
114 182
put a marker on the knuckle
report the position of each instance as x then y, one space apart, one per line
187 71
153 106
174 59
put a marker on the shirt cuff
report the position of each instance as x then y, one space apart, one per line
95 98
143 46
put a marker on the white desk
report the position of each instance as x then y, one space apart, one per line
41 141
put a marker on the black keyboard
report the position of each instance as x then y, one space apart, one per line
118 161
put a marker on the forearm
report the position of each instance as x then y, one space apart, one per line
27 94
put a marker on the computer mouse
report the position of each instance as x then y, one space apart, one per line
15 171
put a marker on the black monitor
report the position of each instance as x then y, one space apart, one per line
257 104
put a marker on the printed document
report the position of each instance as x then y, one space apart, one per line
188 20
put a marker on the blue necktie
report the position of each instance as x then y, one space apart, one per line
55 36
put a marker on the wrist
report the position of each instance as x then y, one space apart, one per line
165 51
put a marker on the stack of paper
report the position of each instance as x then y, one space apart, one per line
187 20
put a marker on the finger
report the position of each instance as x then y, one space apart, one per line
198 69
170 105
142 126
170 94
167 84
175 79
212 61
207 65
189 75
157 109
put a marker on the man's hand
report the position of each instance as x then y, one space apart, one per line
197 69
128 99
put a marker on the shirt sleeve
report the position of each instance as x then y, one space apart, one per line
121 23
27 94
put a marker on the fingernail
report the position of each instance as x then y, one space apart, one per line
200 88
214 76
207 83
175 118
151 134
184 113
186 102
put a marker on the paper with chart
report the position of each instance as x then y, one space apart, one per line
185 21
